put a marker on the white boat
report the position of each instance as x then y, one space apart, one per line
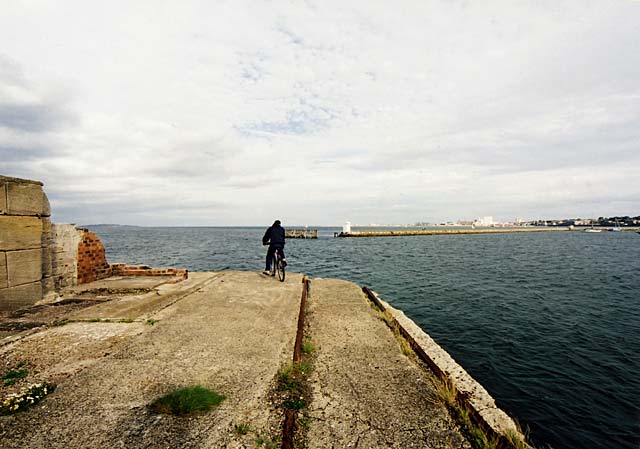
592 229
616 229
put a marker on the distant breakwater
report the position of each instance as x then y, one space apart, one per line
396 233
388 233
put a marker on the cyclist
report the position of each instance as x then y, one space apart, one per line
274 237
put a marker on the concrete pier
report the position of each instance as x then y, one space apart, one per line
301 233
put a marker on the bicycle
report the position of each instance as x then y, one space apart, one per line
277 265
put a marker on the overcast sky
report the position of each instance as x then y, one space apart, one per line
237 113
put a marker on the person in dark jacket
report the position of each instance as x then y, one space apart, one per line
274 237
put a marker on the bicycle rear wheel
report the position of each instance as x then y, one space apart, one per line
280 270
274 264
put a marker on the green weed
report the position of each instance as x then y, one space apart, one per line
241 428
295 403
187 400
308 347
11 376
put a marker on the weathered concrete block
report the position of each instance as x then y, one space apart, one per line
4 280
25 198
18 297
65 239
3 197
24 267
20 233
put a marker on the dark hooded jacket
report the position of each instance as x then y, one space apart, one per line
274 235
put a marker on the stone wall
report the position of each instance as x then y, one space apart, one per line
25 260
38 259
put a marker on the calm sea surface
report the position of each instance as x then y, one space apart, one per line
549 323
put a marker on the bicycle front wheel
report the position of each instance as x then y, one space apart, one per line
280 270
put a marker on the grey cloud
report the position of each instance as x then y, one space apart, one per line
525 144
41 113
33 117
10 153
85 207
199 158
251 182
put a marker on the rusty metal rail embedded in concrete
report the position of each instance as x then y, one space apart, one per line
289 428
469 393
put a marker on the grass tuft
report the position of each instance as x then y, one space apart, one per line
241 428
290 377
295 403
515 438
151 322
308 347
187 400
447 392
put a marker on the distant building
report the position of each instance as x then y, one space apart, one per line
484 221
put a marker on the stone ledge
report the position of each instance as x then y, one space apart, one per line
469 392
121 269
19 180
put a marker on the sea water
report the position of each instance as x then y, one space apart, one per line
548 323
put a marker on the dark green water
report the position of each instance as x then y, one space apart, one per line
549 323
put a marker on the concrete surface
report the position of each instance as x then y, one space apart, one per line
366 393
230 331
116 283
